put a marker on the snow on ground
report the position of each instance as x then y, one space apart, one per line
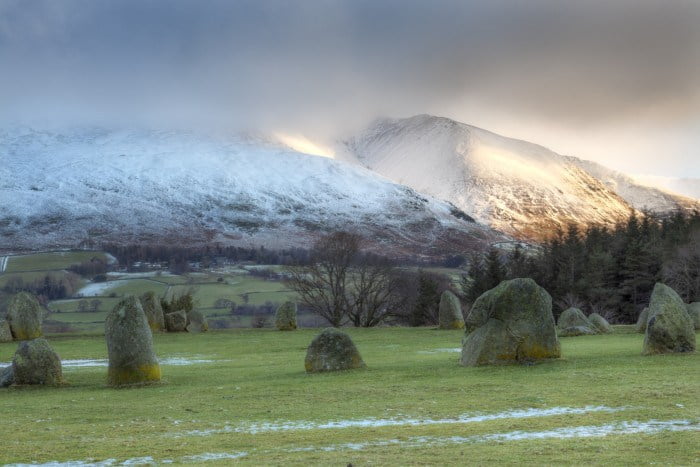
97 289
255 428
650 427
95 363
591 431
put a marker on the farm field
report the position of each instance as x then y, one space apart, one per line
50 261
247 399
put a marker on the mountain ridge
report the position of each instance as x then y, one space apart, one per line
60 189
518 187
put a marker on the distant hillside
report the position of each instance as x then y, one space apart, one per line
89 186
517 187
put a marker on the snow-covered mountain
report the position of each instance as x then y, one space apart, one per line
517 187
90 186
689 187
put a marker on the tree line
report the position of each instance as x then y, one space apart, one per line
609 271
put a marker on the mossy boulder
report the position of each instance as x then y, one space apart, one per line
600 323
572 322
153 310
35 362
573 331
176 321
196 322
132 358
5 331
332 350
669 328
25 315
641 326
511 323
450 314
694 313
286 317
7 377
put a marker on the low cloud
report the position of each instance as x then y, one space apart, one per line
325 67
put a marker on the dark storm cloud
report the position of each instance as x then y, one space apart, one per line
324 65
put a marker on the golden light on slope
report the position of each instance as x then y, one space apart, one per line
302 144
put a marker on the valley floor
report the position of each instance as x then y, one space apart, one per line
242 396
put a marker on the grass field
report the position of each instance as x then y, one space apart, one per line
50 260
253 404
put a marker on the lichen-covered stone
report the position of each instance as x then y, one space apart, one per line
286 317
35 362
600 323
642 321
332 350
196 322
510 323
176 321
450 314
132 358
572 322
669 328
25 316
7 377
153 310
573 331
694 313
5 332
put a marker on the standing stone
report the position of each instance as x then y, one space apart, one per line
176 321
25 316
132 359
572 322
669 328
332 350
510 323
7 376
450 316
286 317
694 313
196 322
35 362
5 332
600 323
642 321
153 310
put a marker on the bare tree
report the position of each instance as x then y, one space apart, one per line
682 272
374 292
341 283
323 284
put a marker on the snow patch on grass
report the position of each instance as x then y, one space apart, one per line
591 431
255 428
97 289
214 456
94 363
434 351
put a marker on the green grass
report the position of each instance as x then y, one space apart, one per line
258 291
49 261
258 376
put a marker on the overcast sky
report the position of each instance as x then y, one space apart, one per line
613 81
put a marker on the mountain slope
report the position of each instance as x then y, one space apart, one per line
517 187
89 186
